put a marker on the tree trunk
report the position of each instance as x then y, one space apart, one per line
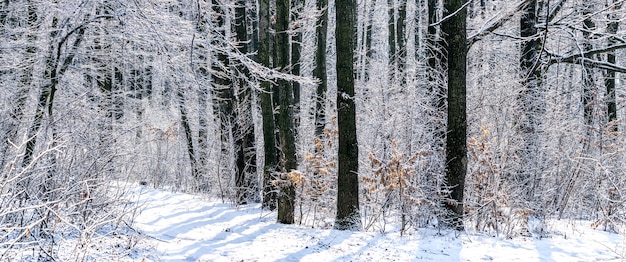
401 42
202 63
223 93
270 195
435 73
348 216
455 45
319 71
609 82
529 99
391 40
184 121
284 121
296 39
246 154
588 95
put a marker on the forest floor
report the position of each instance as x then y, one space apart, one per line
182 227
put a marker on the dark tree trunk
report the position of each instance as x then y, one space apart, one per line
270 195
184 121
369 52
54 69
284 121
391 39
246 154
223 93
401 42
296 39
348 216
455 45
319 71
529 99
588 95
609 82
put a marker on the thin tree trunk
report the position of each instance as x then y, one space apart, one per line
202 152
588 93
319 71
184 120
270 195
246 154
529 99
296 39
391 40
223 93
609 82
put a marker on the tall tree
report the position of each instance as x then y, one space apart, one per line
223 88
434 56
267 111
588 92
319 71
203 76
391 39
284 121
455 45
348 216
529 97
244 138
609 82
296 46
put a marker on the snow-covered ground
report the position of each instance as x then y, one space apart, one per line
181 227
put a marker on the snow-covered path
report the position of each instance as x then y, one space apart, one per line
187 228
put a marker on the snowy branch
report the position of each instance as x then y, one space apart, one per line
581 58
494 23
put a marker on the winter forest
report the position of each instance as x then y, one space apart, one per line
485 116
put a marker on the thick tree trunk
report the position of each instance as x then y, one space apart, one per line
455 45
348 216
284 121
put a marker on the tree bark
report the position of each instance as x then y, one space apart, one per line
348 216
529 99
319 71
284 121
609 82
223 89
246 154
588 92
455 45
270 195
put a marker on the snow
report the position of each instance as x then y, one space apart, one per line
182 227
